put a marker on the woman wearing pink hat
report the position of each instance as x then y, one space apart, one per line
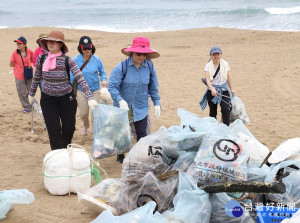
132 80
58 102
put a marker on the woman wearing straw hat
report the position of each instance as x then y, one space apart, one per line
38 51
57 98
219 86
132 80
20 58
91 68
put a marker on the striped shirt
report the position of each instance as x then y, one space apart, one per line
56 82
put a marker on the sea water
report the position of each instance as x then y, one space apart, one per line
152 15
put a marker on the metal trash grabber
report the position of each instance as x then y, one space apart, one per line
34 105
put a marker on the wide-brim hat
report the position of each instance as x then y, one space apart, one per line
41 36
54 36
141 45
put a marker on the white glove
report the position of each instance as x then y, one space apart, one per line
31 99
92 104
157 111
123 105
104 83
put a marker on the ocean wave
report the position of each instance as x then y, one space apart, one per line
3 27
283 11
110 29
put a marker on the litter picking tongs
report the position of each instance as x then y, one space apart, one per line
35 106
222 95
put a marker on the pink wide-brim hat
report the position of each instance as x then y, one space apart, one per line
141 45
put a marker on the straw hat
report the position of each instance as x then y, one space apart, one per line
141 45
41 36
54 36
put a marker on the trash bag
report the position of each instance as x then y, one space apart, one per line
148 188
221 214
191 204
256 150
10 197
180 140
103 196
256 174
238 110
111 133
142 214
286 150
220 158
292 181
200 125
184 161
146 155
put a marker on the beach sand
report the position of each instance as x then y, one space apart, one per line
265 70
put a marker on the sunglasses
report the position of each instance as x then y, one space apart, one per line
140 54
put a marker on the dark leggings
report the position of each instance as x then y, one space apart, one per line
59 114
225 108
141 128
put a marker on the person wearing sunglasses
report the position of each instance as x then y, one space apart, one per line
92 69
219 86
132 80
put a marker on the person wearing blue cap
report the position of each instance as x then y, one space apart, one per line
219 86
22 57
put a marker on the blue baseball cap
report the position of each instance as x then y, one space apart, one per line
215 49
21 40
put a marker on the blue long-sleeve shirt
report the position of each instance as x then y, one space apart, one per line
134 88
91 72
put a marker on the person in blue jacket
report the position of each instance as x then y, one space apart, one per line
132 80
92 70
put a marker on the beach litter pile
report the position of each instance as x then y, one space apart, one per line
200 171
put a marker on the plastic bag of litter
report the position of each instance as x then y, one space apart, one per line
142 214
286 150
148 188
180 140
220 158
238 110
222 212
102 196
200 125
146 155
191 204
111 133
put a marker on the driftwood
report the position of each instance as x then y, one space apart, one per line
250 187
237 186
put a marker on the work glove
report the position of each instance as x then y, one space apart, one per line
92 104
157 111
104 83
123 105
31 99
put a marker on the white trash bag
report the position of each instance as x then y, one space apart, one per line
220 158
146 155
238 110
67 171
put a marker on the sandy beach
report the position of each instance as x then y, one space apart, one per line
265 71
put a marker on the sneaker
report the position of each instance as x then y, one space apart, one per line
26 111
83 131
120 158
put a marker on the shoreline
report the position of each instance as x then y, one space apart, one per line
265 73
